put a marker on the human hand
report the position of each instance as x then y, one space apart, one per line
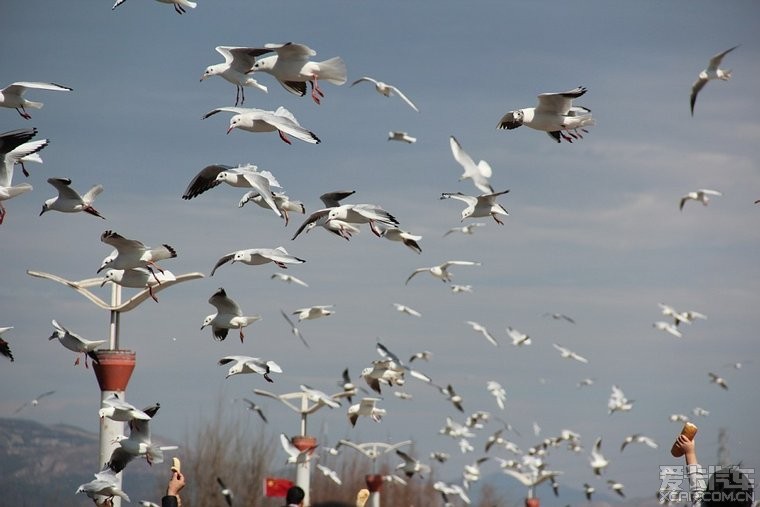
176 483
689 449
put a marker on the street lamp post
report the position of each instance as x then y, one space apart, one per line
374 450
114 366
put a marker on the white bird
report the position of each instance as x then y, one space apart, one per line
402 395
69 200
238 62
288 279
254 407
319 397
12 96
718 380
357 214
404 137
569 354
293 69
441 271
483 205
555 115
440 457
668 328
616 486
384 371
104 484
313 312
711 72
228 316
598 461
294 329
518 338
585 382
701 195
295 455
408 239
407 310
258 120
131 253
247 176
76 343
700 412
283 203
258 256
678 418
460 288
617 401
138 278
498 392
225 492
411 466
366 407
482 330
471 472
468 229
10 141
690 315
423 355
139 443
452 396
117 409
330 473
320 217
638 438
386 90
479 173
34 402
248 364
454 429
560 316
179 5
349 388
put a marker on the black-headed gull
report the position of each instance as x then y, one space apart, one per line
247 176
456 289
702 195
238 62
498 392
69 200
5 349
386 90
638 438
408 239
103 485
446 490
258 256
138 278
618 402
559 316
468 229
367 407
258 120
404 137
117 409
228 316
384 371
479 173
254 407
248 364
288 279
411 466
668 328
439 456
282 202
313 312
711 72
616 486
598 462
329 473
9 141
345 383
588 490
35 401
518 338
407 310
423 355
555 115
139 443
12 96
484 331
317 396
291 66
471 472
569 354
718 380
179 5
131 253
225 491
362 214
76 343
441 271
320 217
452 396
295 455
481 206
294 329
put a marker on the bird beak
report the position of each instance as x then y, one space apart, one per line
229 130
53 336
44 209
105 280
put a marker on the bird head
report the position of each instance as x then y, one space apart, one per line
512 120
207 321
212 70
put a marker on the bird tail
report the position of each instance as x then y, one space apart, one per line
190 4
333 70
38 105
155 454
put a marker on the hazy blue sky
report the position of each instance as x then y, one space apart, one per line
594 229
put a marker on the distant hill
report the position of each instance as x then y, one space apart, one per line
44 465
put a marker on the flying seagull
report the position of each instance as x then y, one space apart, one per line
69 200
238 61
12 96
711 72
228 316
281 121
386 90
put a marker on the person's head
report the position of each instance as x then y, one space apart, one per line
294 496
728 487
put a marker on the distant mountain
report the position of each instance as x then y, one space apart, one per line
44 465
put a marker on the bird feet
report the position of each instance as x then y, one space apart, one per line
284 137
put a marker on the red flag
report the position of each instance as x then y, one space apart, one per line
276 486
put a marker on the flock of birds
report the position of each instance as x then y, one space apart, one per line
133 264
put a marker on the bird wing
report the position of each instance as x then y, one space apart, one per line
19 87
317 215
290 50
459 196
63 185
715 60
236 110
695 88
365 78
332 199
119 242
415 272
224 304
558 103
288 125
223 260
403 97
204 180
241 59
260 183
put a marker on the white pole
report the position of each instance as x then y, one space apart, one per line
109 430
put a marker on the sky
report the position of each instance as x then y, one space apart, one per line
593 232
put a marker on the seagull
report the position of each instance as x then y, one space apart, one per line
411 466
386 90
668 328
441 271
678 418
76 343
701 195
471 472
424 355
560 316
117 409
34 402
496 438
408 239
385 353
598 461
238 61
460 288
366 407
533 477
700 412
455 429
386 371
313 312
289 279
293 69
638 439
320 217
588 490
319 397
453 397
468 229
9 141
585 382
139 443
248 364
356 214
225 491
618 402
258 120
228 316
348 387
294 454
5 349
482 330
569 354
104 484
711 72
138 278
294 329
246 176
690 315
253 407
179 5
69 200
131 253
12 96
407 310
615 486
479 173
330 473
402 395
258 256
27 152
440 457
447 490
518 339
401 136
716 379
555 115
669 311
498 392
481 206
282 202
